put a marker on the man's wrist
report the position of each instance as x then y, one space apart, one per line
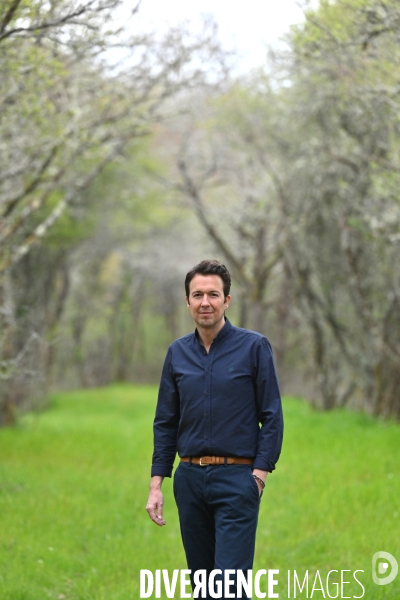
259 481
261 474
156 482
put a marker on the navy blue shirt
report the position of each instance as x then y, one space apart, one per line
213 404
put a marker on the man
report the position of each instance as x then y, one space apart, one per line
217 386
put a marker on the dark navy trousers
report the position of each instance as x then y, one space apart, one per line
218 513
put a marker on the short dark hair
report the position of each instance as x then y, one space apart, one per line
209 267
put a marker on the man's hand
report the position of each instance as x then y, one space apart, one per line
262 475
156 501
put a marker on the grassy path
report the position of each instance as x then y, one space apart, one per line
74 482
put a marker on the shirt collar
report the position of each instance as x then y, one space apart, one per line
222 333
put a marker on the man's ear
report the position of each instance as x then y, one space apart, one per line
187 302
226 301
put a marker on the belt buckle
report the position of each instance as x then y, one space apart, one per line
203 464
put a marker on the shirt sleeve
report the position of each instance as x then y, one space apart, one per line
269 408
166 422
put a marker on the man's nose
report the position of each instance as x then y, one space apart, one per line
205 300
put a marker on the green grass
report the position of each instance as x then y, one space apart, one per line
74 483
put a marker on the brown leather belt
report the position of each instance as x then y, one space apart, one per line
204 461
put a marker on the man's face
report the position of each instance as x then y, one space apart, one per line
206 300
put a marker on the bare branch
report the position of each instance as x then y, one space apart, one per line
9 15
193 193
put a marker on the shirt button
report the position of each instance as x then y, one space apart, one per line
206 415
206 393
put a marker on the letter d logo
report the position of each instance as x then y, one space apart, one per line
382 568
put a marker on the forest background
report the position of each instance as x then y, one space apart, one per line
126 158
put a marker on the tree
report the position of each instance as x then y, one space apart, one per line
221 161
343 69
75 91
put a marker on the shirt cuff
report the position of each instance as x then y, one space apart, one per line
263 465
162 470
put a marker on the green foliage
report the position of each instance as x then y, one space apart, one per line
131 193
76 224
74 484
331 20
70 230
